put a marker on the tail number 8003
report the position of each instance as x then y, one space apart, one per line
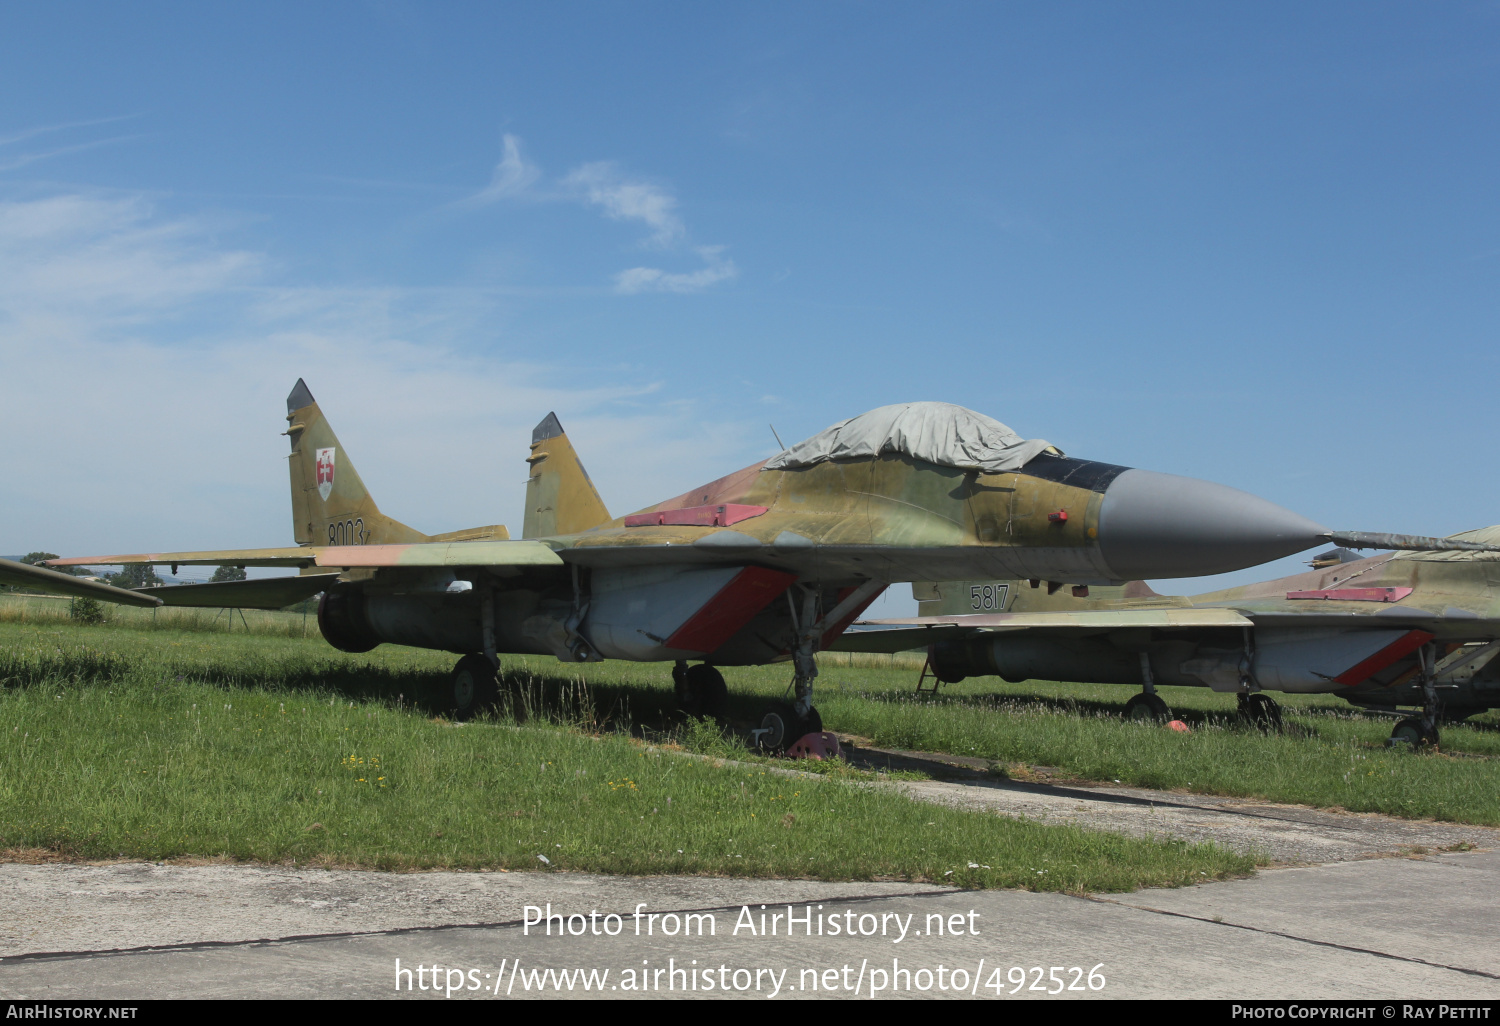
348 532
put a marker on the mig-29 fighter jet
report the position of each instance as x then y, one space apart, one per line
770 563
1406 628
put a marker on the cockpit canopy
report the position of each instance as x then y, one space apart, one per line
940 433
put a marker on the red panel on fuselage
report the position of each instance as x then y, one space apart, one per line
1401 647
747 593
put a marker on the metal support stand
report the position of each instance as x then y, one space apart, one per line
936 681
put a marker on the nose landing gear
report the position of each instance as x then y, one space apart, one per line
1422 731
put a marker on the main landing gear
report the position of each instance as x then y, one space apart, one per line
1148 705
1259 710
473 687
701 690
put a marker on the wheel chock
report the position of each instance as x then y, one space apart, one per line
815 746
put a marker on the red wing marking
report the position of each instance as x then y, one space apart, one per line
747 593
1401 647
1354 594
696 516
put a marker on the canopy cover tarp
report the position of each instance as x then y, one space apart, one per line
940 433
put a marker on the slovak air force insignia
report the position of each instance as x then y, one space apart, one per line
325 472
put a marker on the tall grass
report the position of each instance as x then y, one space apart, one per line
40 610
1330 754
161 745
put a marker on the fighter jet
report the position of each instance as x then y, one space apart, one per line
1406 628
42 579
767 564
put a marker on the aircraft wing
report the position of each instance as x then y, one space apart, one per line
417 554
899 635
28 576
294 556
1446 623
428 554
264 593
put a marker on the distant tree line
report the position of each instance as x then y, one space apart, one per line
125 577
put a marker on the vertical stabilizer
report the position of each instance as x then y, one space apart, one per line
560 498
329 503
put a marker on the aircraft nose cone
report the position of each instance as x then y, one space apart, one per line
1163 525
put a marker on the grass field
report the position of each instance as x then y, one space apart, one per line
149 676
162 744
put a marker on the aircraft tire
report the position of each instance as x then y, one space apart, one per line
704 692
1410 733
812 723
1262 711
778 725
785 728
1147 707
473 687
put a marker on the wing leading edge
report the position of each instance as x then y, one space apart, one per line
419 554
28 576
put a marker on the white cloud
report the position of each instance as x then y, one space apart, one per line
513 175
623 199
76 256
653 279
620 197
130 425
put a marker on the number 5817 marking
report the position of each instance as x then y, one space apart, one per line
988 597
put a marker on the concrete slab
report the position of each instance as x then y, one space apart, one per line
1375 929
1286 834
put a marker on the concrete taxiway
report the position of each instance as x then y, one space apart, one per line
1377 928
1359 907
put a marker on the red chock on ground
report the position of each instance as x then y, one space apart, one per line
1180 727
815 746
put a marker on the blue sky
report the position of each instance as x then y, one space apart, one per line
1257 243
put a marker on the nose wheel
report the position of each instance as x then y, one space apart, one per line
782 727
1412 732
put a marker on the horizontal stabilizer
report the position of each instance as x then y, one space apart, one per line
265 593
1405 542
476 553
27 576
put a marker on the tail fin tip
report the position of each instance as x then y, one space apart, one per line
300 396
550 427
